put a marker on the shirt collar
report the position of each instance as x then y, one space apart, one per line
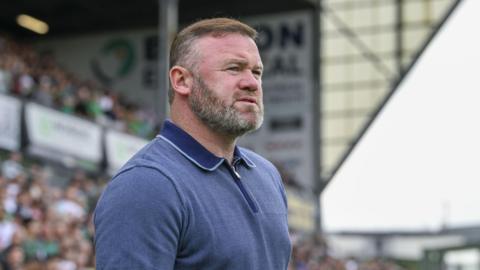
194 151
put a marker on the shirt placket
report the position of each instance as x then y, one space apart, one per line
238 181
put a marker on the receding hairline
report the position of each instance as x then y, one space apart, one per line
218 27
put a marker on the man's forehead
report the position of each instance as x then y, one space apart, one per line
227 40
230 46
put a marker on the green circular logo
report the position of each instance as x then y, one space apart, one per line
115 60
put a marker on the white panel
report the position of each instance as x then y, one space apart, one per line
334 101
417 165
334 73
69 135
120 147
416 11
334 129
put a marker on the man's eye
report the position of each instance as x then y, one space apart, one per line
233 68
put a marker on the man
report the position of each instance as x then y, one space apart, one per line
192 199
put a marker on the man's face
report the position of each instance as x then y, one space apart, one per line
227 91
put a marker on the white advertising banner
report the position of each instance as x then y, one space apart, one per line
120 147
10 111
285 43
67 135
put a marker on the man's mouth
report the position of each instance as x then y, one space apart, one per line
248 100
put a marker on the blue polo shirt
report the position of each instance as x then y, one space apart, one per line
175 205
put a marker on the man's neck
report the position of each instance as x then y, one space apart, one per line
218 144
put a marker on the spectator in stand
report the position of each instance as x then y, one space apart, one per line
135 123
106 102
5 76
351 264
68 104
12 167
72 206
7 230
44 95
33 245
24 83
13 258
24 209
83 99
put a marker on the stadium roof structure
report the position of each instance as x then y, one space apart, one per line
75 17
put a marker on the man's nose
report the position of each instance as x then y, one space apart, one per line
249 81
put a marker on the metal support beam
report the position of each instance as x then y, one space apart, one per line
317 121
399 36
168 24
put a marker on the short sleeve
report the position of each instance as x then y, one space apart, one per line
138 221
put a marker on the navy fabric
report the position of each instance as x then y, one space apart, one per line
175 205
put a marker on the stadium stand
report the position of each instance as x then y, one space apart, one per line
313 253
26 74
43 226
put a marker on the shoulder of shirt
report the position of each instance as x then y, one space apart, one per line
144 163
155 156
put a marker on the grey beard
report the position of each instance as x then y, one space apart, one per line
216 115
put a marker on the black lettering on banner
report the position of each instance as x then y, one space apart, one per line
284 145
286 123
284 35
279 91
287 34
282 65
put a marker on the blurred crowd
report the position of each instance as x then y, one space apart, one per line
45 226
311 252
48 226
36 77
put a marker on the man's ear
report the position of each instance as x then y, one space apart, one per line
181 80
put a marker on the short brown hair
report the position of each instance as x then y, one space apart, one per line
181 51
